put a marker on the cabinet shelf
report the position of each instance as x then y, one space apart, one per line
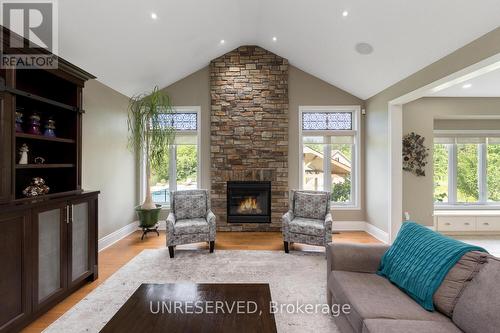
47 196
45 166
43 138
41 99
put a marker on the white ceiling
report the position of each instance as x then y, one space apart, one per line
486 85
119 42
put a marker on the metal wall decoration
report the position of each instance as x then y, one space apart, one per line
414 154
327 121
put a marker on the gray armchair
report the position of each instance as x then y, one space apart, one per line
190 219
309 220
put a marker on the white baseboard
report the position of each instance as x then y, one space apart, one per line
377 233
121 233
115 236
348 226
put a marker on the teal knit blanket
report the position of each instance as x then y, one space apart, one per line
419 260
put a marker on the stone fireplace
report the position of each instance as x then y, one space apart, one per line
249 132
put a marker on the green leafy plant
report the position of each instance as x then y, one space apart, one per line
150 132
341 192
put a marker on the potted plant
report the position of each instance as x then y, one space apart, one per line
150 135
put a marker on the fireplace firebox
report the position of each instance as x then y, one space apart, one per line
248 202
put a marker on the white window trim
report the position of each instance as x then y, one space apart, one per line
172 166
356 158
452 172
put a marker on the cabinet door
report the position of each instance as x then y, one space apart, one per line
15 283
81 228
6 124
79 235
50 259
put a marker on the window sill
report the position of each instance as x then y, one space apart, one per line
468 212
467 207
332 207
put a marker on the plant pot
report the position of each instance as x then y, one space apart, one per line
148 218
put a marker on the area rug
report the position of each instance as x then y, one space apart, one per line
295 278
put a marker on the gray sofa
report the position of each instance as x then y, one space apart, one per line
378 306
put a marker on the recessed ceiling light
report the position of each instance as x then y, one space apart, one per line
467 86
275 38
154 16
364 48
222 41
345 13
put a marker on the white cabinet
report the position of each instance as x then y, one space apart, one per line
467 222
488 223
456 223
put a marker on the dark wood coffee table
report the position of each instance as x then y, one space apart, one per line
242 308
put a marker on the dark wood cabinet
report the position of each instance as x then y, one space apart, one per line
5 148
15 263
48 243
48 249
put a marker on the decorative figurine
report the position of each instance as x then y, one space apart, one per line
50 126
23 151
39 160
36 188
19 120
34 124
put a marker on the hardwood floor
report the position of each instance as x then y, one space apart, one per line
117 255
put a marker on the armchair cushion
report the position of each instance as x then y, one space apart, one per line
190 206
305 226
191 226
310 205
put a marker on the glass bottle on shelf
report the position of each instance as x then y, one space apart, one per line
19 119
34 124
50 126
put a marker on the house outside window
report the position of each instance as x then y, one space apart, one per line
330 152
466 169
181 167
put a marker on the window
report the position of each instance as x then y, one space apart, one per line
180 170
330 153
466 169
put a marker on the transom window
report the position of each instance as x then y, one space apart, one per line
466 169
327 120
330 152
180 170
182 121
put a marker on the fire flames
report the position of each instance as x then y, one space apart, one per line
249 205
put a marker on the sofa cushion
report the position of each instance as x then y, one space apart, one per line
478 308
312 227
190 206
408 326
191 226
372 296
456 280
310 205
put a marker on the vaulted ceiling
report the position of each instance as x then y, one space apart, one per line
120 42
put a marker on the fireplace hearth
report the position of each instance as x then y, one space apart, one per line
248 202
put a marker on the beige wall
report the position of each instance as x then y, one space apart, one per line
419 117
108 165
471 124
307 90
376 129
304 89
